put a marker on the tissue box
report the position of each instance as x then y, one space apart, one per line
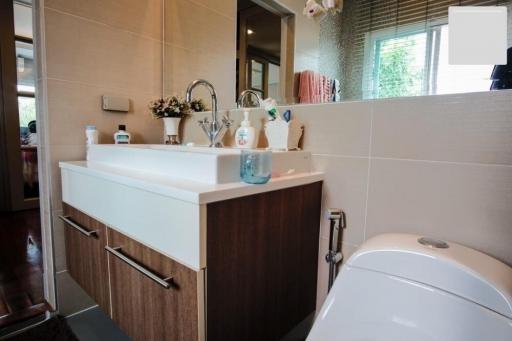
283 135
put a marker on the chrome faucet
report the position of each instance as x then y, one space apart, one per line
244 94
215 130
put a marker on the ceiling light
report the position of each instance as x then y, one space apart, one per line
249 31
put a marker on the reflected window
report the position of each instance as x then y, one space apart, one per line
257 75
25 66
413 62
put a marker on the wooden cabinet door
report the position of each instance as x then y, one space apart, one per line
262 261
143 306
85 254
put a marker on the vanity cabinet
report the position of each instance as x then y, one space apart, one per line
262 261
85 253
259 280
153 297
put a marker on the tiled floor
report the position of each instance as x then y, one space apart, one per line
71 297
21 275
94 325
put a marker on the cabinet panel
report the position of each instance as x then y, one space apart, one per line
85 254
262 261
142 307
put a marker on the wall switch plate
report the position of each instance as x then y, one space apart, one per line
477 35
112 103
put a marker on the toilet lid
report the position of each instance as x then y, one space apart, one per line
451 267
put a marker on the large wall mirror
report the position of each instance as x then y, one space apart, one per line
367 49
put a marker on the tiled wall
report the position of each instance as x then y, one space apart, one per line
438 166
92 48
200 42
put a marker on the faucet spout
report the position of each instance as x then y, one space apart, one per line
245 93
210 88
214 129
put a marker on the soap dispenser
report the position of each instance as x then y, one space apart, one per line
122 136
245 136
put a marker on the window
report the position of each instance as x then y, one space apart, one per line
257 76
413 61
263 78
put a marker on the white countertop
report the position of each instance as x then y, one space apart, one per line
186 190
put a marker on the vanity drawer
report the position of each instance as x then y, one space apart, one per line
153 297
85 240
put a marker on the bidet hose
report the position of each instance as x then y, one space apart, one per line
334 255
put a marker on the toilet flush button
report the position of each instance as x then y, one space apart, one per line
433 243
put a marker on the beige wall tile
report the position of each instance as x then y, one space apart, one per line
467 128
468 204
336 129
182 66
141 17
204 47
345 185
72 106
226 8
84 51
199 28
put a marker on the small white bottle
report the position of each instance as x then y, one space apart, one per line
122 136
91 135
245 136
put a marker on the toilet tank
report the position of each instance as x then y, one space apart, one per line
396 288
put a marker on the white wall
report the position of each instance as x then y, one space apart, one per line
307 37
438 166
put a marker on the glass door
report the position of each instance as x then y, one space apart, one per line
27 116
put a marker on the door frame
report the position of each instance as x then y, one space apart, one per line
287 61
9 129
11 168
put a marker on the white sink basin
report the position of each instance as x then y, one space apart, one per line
201 164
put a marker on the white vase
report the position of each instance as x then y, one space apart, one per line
171 129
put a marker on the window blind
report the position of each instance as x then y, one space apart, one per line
368 16
378 14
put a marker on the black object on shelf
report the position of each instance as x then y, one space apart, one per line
502 74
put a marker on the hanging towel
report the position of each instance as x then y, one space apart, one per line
313 87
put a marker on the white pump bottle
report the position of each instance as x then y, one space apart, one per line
245 136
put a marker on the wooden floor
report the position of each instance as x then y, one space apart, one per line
21 268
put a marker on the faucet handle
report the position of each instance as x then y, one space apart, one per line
226 121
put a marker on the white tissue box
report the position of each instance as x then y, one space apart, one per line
283 135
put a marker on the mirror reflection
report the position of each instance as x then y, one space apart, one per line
325 51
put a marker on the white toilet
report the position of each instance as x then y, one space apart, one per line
396 288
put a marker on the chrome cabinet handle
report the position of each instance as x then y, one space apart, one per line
65 218
116 251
